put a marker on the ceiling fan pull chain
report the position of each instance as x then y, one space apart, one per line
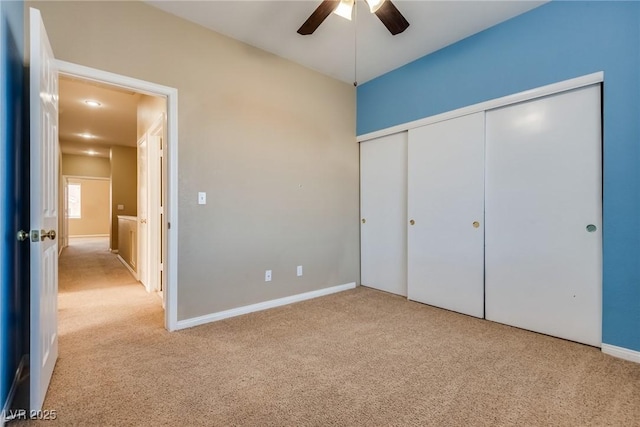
355 45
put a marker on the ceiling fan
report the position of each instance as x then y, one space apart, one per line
384 10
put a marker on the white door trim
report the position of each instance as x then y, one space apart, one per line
148 88
527 95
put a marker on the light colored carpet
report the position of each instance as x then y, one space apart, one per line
357 358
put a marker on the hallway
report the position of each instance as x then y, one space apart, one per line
96 292
104 315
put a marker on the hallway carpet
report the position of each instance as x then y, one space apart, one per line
356 358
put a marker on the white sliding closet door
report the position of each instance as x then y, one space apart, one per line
383 209
544 215
446 212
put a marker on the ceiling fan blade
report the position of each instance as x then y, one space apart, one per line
318 16
392 18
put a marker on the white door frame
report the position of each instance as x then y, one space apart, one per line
171 205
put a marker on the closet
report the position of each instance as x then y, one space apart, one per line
446 209
501 216
383 210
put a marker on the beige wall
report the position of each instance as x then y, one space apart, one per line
124 186
271 142
87 166
95 214
79 166
150 109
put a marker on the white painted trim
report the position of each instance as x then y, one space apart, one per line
527 95
621 352
113 251
171 265
126 264
214 317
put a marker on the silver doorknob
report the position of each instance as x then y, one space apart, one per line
23 235
51 234
412 222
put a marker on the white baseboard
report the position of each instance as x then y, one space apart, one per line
113 251
128 266
621 352
12 391
213 317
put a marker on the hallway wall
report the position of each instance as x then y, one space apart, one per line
95 208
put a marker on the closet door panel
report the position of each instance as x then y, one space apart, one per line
383 210
446 203
544 215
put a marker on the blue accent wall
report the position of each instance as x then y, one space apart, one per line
14 195
555 42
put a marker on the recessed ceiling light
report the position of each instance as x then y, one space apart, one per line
86 135
92 103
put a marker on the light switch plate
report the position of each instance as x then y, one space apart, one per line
120 207
299 271
202 198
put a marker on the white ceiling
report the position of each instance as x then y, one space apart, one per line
331 50
113 123
271 26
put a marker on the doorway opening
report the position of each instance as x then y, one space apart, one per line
136 148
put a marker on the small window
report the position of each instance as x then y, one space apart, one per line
74 197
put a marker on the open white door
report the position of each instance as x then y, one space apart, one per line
44 211
143 212
154 236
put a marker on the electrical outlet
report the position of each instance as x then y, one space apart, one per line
267 276
299 271
202 198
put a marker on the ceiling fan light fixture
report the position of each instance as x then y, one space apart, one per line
374 5
345 9
92 103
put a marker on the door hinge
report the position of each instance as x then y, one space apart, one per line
169 225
